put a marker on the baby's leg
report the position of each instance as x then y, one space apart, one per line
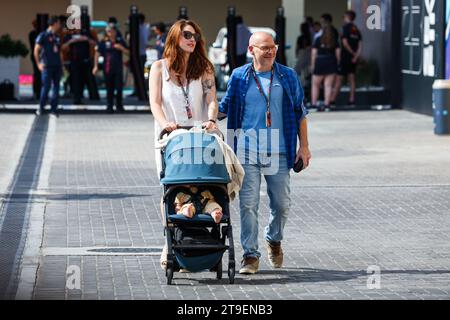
215 210
188 210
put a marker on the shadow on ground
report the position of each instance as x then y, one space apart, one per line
303 275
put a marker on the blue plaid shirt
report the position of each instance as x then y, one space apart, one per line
233 104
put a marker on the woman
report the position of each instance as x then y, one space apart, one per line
325 61
182 86
303 54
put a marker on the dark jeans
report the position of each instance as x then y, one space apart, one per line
81 76
50 77
114 84
37 81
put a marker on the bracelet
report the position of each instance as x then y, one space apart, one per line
214 121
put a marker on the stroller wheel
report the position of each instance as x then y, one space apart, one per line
231 273
219 270
169 274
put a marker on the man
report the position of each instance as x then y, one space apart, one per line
36 72
351 51
310 21
144 35
243 35
48 52
114 23
112 49
268 97
160 31
78 44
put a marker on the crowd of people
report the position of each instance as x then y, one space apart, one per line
326 57
76 53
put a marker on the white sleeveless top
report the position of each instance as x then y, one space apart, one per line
174 105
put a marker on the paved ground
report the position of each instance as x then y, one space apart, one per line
12 143
377 194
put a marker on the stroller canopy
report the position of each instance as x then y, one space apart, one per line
194 157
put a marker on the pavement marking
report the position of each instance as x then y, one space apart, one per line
103 251
8 175
31 254
17 209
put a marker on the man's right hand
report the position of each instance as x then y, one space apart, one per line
41 67
94 70
304 154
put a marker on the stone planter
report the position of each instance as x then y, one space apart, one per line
10 69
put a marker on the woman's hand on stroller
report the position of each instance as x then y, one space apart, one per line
170 126
209 125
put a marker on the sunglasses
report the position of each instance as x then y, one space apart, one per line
189 35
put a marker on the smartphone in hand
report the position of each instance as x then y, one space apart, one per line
298 167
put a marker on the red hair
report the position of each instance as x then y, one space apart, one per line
198 63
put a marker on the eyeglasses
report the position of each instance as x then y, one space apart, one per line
189 35
267 49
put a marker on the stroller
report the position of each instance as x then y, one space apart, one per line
195 244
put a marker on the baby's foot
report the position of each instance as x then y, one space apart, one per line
188 211
217 216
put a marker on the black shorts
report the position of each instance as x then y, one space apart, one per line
325 65
347 67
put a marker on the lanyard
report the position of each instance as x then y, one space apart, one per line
267 99
186 98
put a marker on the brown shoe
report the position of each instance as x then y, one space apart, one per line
250 265
275 253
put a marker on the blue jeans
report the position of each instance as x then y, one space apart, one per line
50 76
278 189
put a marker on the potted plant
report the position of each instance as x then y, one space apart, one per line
10 53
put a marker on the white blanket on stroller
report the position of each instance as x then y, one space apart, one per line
234 167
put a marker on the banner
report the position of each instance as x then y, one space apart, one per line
423 43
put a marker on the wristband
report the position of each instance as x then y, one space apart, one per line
214 121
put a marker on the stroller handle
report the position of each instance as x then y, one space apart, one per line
165 131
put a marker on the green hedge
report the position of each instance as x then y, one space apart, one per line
10 48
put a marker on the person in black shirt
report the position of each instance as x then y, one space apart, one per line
304 40
351 51
303 54
112 49
327 20
325 60
78 43
161 36
37 83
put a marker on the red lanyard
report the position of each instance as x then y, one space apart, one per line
267 99
186 98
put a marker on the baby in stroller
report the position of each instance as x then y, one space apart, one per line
191 202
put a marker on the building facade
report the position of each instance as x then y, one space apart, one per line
16 16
